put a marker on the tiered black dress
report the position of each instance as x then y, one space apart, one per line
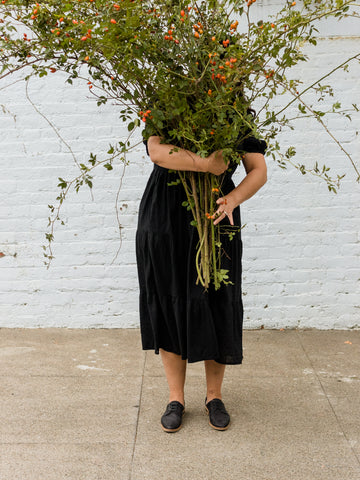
176 314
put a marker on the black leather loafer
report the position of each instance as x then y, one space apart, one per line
218 416
172 418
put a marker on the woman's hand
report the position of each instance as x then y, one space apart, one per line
226 207
216 163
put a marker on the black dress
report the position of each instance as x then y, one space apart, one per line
176 314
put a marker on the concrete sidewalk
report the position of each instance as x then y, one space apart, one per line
86 405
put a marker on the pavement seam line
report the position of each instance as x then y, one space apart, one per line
137 418
328 400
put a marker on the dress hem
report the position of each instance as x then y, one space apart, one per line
156 351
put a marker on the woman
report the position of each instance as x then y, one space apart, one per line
178 318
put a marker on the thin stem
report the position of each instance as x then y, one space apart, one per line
329 133
296 97
196 200
213 234
205 259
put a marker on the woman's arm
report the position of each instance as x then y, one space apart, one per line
256 177
181 159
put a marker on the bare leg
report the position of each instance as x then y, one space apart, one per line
214 378
175 371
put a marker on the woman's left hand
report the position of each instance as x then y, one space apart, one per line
226 207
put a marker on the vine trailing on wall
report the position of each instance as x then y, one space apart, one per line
187 71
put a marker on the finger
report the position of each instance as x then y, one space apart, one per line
230 215
222 216
218 211
221 201
224 200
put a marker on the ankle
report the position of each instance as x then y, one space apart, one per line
177 397
211 395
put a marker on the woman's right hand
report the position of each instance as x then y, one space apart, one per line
216 163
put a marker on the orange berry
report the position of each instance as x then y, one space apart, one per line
209 92
113 21
273 25
293 4
196 35
86 58
213 39
182 13
84 38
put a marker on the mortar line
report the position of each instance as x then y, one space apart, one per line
137 418
328 400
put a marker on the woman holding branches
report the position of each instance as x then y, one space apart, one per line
179 318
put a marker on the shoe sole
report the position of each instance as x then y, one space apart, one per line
214 426
172 430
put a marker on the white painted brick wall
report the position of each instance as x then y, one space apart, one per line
301 243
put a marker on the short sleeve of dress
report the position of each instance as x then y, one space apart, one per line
145 143
252 145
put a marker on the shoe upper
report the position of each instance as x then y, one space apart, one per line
173 415
218 414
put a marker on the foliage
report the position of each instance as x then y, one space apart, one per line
187 71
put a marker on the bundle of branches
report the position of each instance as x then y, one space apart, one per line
186 71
